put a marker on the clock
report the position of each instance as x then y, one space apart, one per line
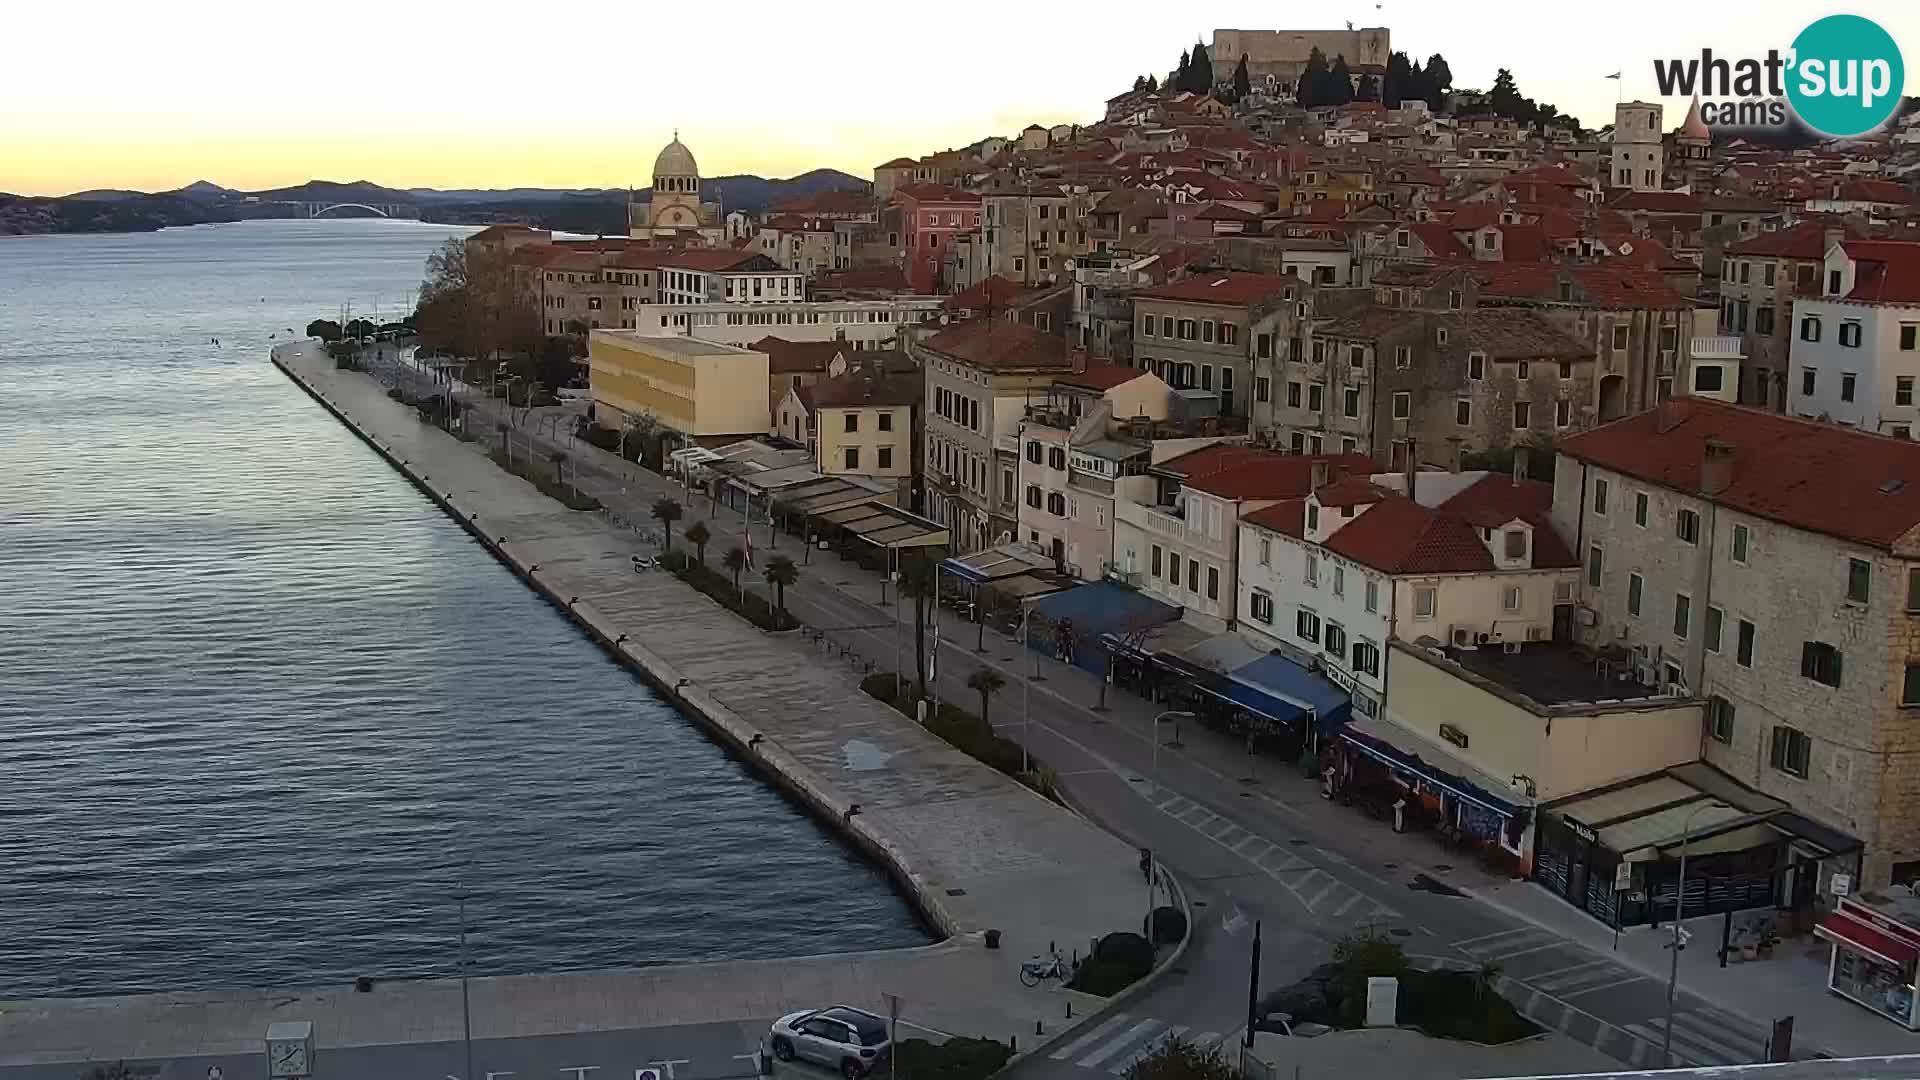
290 1050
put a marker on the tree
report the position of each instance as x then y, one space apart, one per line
1200 70
1177 1059
699 537
1504 98
474 303
781 573
1396 84
1139 83
986 682
1369 89
917 581
1179 80
1417 84
1439 80
1242 82
666 512
735 560
1313 80
559 460
325 329
1339 82
1153 84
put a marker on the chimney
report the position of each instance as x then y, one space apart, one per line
1833 235
1413 466
1520 456
1668 415
1716 467
1317 475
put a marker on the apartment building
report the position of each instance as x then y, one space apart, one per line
1032 236
1759 279
697 388
1185 540
1470 560
728 277
866 424
979 378
1202 332
864 324
931 218
1770 565
1856 343
808 246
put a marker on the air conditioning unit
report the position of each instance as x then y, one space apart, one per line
1495 637
1539 633
1586 616
1511 648
1461 636
1645 673
1483 638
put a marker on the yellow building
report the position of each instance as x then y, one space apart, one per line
698 388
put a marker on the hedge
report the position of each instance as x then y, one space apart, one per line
750 606
955 1059
572 498
968 734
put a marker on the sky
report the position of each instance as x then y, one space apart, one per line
144 96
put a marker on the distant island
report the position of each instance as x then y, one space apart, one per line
584 210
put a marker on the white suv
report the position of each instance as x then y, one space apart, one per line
847 1040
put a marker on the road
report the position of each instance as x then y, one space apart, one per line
1251 838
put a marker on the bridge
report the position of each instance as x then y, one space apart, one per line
385 210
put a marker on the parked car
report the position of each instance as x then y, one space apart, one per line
847 1040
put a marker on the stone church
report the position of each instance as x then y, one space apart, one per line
676 210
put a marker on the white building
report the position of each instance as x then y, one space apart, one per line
728 277
867 324
1470 561
1856 346
1637 154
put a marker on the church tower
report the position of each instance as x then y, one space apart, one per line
676 189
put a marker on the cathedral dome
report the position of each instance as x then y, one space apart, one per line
675 160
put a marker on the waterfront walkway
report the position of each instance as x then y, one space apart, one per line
975 850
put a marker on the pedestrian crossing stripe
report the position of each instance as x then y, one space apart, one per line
1698 1042
1091 1037
1144 1029
1149 1047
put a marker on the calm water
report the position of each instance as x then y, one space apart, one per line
264 710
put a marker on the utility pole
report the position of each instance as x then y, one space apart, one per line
466 1009
1253 987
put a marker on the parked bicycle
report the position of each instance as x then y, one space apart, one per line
1040 969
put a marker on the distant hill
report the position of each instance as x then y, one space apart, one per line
105 195
329 191
137 213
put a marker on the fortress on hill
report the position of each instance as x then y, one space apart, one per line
1281 55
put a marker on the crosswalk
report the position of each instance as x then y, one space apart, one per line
1557 980
1319 892
1116 1043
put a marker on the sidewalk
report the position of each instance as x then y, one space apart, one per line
1791 983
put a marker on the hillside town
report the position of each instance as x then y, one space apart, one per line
1557 488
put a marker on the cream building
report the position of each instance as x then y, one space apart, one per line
865 324
698 388
676 209
1639 162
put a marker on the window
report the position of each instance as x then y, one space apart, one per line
1833 281
1313 520
1366 657
1189 329
1056 457
853 457
1156 560
1260 606
1193 575
1315 397
1476 365
1635 586
1847 383
1146 326
1307 625
1810 328
1715 618
1339 580
1056 504
1373 595
1910 685
1791 751
1262 345
1426 603
1166 326
1440 336
1453 301
1213 583
1522 415
1173 567
853 422
886 457
1526 371
1510 598
1619 337
1903 390
1350 402
1463 411
1850 334
1686 526
1913 590
1763 321
1516 541
1033 451
1859 580
1743 644
1229 333
1595 562
1336 640
1266 551
1402 357
1402 405
1206 330
1742 540
1312 576
1707 380
1909 332
1682 615
1033 496
1720 719
1262 389
1356 355
1808 377
1563 411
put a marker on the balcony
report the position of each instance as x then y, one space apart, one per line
1007 443
1718 347
1158 520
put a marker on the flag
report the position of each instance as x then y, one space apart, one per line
749 547
1615 75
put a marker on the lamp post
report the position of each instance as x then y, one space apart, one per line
1176 715
1679 900
466 1010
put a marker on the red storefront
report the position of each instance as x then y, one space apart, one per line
1874 951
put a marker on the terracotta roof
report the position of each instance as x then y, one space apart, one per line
1351 491
1819 477
1288 518
1805 240
1225 212
712 261
1440 241
1874 191
868 385
1399 536
899 163
798 357
1222 287
1886 271
1243 472
990 294
1101 377
1000 344
1657 202
1512 334
936 193
1558 175
879 279
1497 498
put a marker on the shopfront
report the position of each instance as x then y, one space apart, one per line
1394 774
1874 952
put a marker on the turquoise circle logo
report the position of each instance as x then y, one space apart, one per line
1847 76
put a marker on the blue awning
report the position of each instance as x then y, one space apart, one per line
1370 737
1254 700
1281 679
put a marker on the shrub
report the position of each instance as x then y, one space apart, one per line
1166 926
955 1059
750 606
1177 1059
572 498
966 733
1119 960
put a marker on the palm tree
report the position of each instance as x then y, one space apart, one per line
986 682
781 573
666 511
559 460
774 510
699 537
917 581
735 560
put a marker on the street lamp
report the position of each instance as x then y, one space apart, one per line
1175 715
1679 899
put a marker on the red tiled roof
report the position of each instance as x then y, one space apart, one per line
798 357
1806 240
718 261
1399 536
988 294
937 193
1497 498
1000 343
1243 472
1225 212
1288 518
1440 241
868 385
899 163
1818 477
1351 491
1222 287
1101 377
1875 191
1886 271
1558 175
1657 202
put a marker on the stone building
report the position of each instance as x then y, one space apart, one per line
1772 566
1202 332
1276 57
1758 281
1638 160
1033 236
676 207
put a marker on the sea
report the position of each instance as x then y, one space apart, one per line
269 719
